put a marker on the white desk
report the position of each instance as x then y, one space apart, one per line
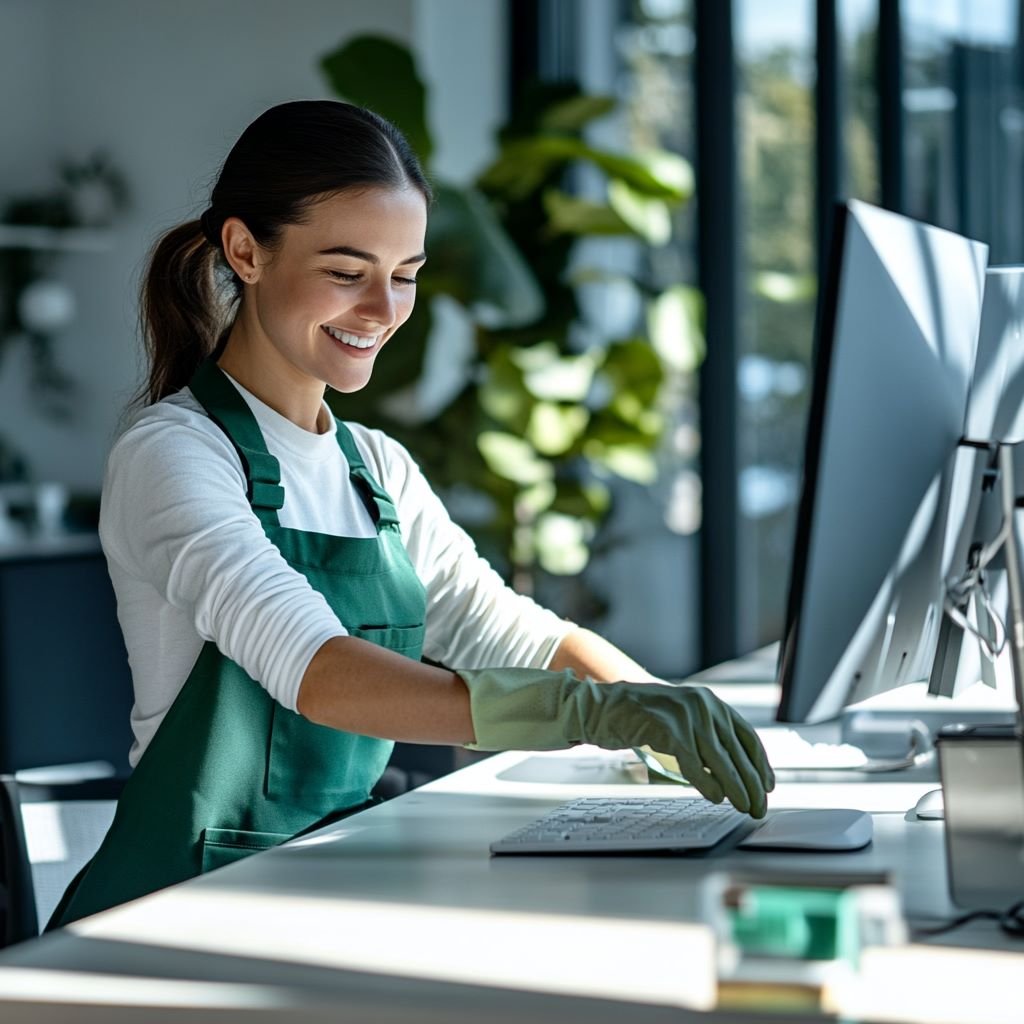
400 914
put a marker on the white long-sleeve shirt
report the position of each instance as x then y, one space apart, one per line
189 560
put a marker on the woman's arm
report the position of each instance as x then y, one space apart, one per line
354 685
587 654
360 687
357 686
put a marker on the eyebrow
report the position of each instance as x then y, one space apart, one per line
360 254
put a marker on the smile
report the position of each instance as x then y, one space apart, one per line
354 340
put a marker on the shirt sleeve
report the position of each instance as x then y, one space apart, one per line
174 514
473 619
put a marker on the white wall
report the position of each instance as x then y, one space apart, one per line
26 90
462 55
166 88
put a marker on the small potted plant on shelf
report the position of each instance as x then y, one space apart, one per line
34 302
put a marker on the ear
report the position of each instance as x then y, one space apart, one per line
241 250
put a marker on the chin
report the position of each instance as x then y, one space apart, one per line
347 386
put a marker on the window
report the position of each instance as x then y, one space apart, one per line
927 119
775 112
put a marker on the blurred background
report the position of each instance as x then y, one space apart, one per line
608 374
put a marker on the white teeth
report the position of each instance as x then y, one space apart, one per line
350 339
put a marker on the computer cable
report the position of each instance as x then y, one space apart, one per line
1011 921
973 583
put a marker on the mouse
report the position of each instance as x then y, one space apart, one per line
817 829
931 806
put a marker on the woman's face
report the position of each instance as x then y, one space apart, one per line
340 285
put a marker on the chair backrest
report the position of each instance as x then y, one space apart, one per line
18 919
49 832
86 675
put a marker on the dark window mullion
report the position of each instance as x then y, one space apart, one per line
522 19
890 104
717 248
828 124
543 43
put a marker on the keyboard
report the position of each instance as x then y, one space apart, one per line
609 825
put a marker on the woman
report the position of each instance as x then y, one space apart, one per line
279 574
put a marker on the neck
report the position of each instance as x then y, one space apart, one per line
252 361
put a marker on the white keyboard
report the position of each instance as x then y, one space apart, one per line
609 825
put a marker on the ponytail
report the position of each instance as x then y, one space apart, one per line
183 310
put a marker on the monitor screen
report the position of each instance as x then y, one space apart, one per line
895 346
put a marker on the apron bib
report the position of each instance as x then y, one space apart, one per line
230 771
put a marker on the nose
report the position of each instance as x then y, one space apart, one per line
377 304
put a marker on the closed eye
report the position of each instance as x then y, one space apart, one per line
350 278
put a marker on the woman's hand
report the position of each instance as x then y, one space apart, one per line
717 750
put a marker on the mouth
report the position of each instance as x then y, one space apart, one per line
356 343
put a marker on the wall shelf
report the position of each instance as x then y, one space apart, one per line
23 236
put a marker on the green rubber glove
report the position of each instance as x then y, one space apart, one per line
530 709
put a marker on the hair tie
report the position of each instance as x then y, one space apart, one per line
206 224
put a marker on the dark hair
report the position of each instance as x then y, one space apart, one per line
290 157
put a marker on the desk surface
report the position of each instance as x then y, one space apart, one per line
400 914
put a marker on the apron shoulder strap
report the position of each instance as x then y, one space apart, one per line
226 407
378 502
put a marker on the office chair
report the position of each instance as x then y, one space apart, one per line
47 833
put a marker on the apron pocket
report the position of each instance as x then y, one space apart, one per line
401 639
223 846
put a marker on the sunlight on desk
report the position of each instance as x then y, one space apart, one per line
942 986
666 963
39 985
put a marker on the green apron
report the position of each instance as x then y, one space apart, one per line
230 771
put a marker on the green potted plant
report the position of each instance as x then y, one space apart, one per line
545 415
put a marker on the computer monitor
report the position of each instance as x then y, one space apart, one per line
995 417
896 338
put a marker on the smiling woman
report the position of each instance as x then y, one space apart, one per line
279 574
326 299
312 193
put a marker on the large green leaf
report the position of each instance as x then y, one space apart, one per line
673 171
569 215
589 500
573 114
554 377
631 462
503 391
607 430
470 252
553 429
632 409
648 217
633 366
536 499
561 543
674 322
378 73
524 164
511 458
